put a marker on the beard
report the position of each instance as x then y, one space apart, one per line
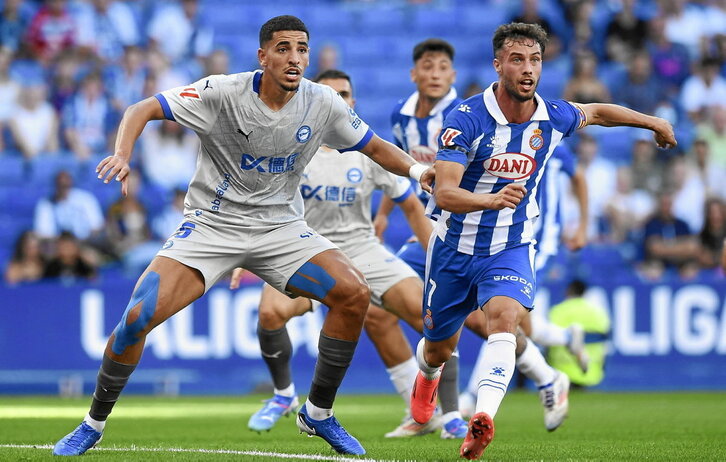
289 86
512 90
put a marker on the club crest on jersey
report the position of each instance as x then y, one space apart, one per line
190 92
354 175
536 141
429 320
303 134
447 139
510 165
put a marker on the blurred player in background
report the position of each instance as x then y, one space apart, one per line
258 130
416 123
492 153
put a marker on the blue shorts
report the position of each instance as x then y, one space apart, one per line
458 284
414 256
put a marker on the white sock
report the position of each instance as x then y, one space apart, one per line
317 413
289 391
449 416
431 373
547 334
97 425
477 373
532 364
498 368
403 376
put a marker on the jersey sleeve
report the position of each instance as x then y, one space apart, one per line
456 138
194 106
396 127
345 130
396 187
566 116
567 157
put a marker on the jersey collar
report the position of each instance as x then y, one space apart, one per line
490 101
409 107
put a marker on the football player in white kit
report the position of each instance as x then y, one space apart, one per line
243 208
337 190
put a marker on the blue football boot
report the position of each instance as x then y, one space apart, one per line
331 431
80 440
455 428
274 408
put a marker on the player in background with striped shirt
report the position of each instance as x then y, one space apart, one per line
416 122
492 153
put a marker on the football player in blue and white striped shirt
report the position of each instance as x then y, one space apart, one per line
492 154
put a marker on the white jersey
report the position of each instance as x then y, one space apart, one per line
337 190
251 157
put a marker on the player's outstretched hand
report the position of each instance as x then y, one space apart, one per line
236 277
114 166
664 136
578 240
427 180
508 197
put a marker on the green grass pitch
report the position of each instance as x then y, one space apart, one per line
601 426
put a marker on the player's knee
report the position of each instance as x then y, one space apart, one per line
138 319
351 293
270 319
502 318
375 323
438 354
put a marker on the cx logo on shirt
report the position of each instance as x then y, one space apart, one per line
265 164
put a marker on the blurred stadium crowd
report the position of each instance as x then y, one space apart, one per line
69 68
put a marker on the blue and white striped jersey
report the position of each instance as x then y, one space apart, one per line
495 153
419 136
548 226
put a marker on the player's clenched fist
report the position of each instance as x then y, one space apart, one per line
114 166
508 197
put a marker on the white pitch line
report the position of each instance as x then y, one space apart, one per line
279 455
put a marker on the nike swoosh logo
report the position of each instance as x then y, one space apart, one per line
274 355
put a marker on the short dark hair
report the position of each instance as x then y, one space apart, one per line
278 23
576 288
332 74
518 31
433 45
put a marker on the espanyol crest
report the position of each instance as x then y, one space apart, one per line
355 175
303 134
536 141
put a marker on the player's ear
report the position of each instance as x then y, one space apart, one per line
413 74
497 66
261 57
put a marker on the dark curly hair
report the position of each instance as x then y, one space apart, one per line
518 31
279 23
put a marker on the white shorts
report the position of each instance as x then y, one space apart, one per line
381 268
273 253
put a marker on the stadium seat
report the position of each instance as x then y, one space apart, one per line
13 170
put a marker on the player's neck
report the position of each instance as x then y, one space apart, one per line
516 112
273 95
425 105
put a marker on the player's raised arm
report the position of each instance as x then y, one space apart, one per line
450 196
132 124
613 115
